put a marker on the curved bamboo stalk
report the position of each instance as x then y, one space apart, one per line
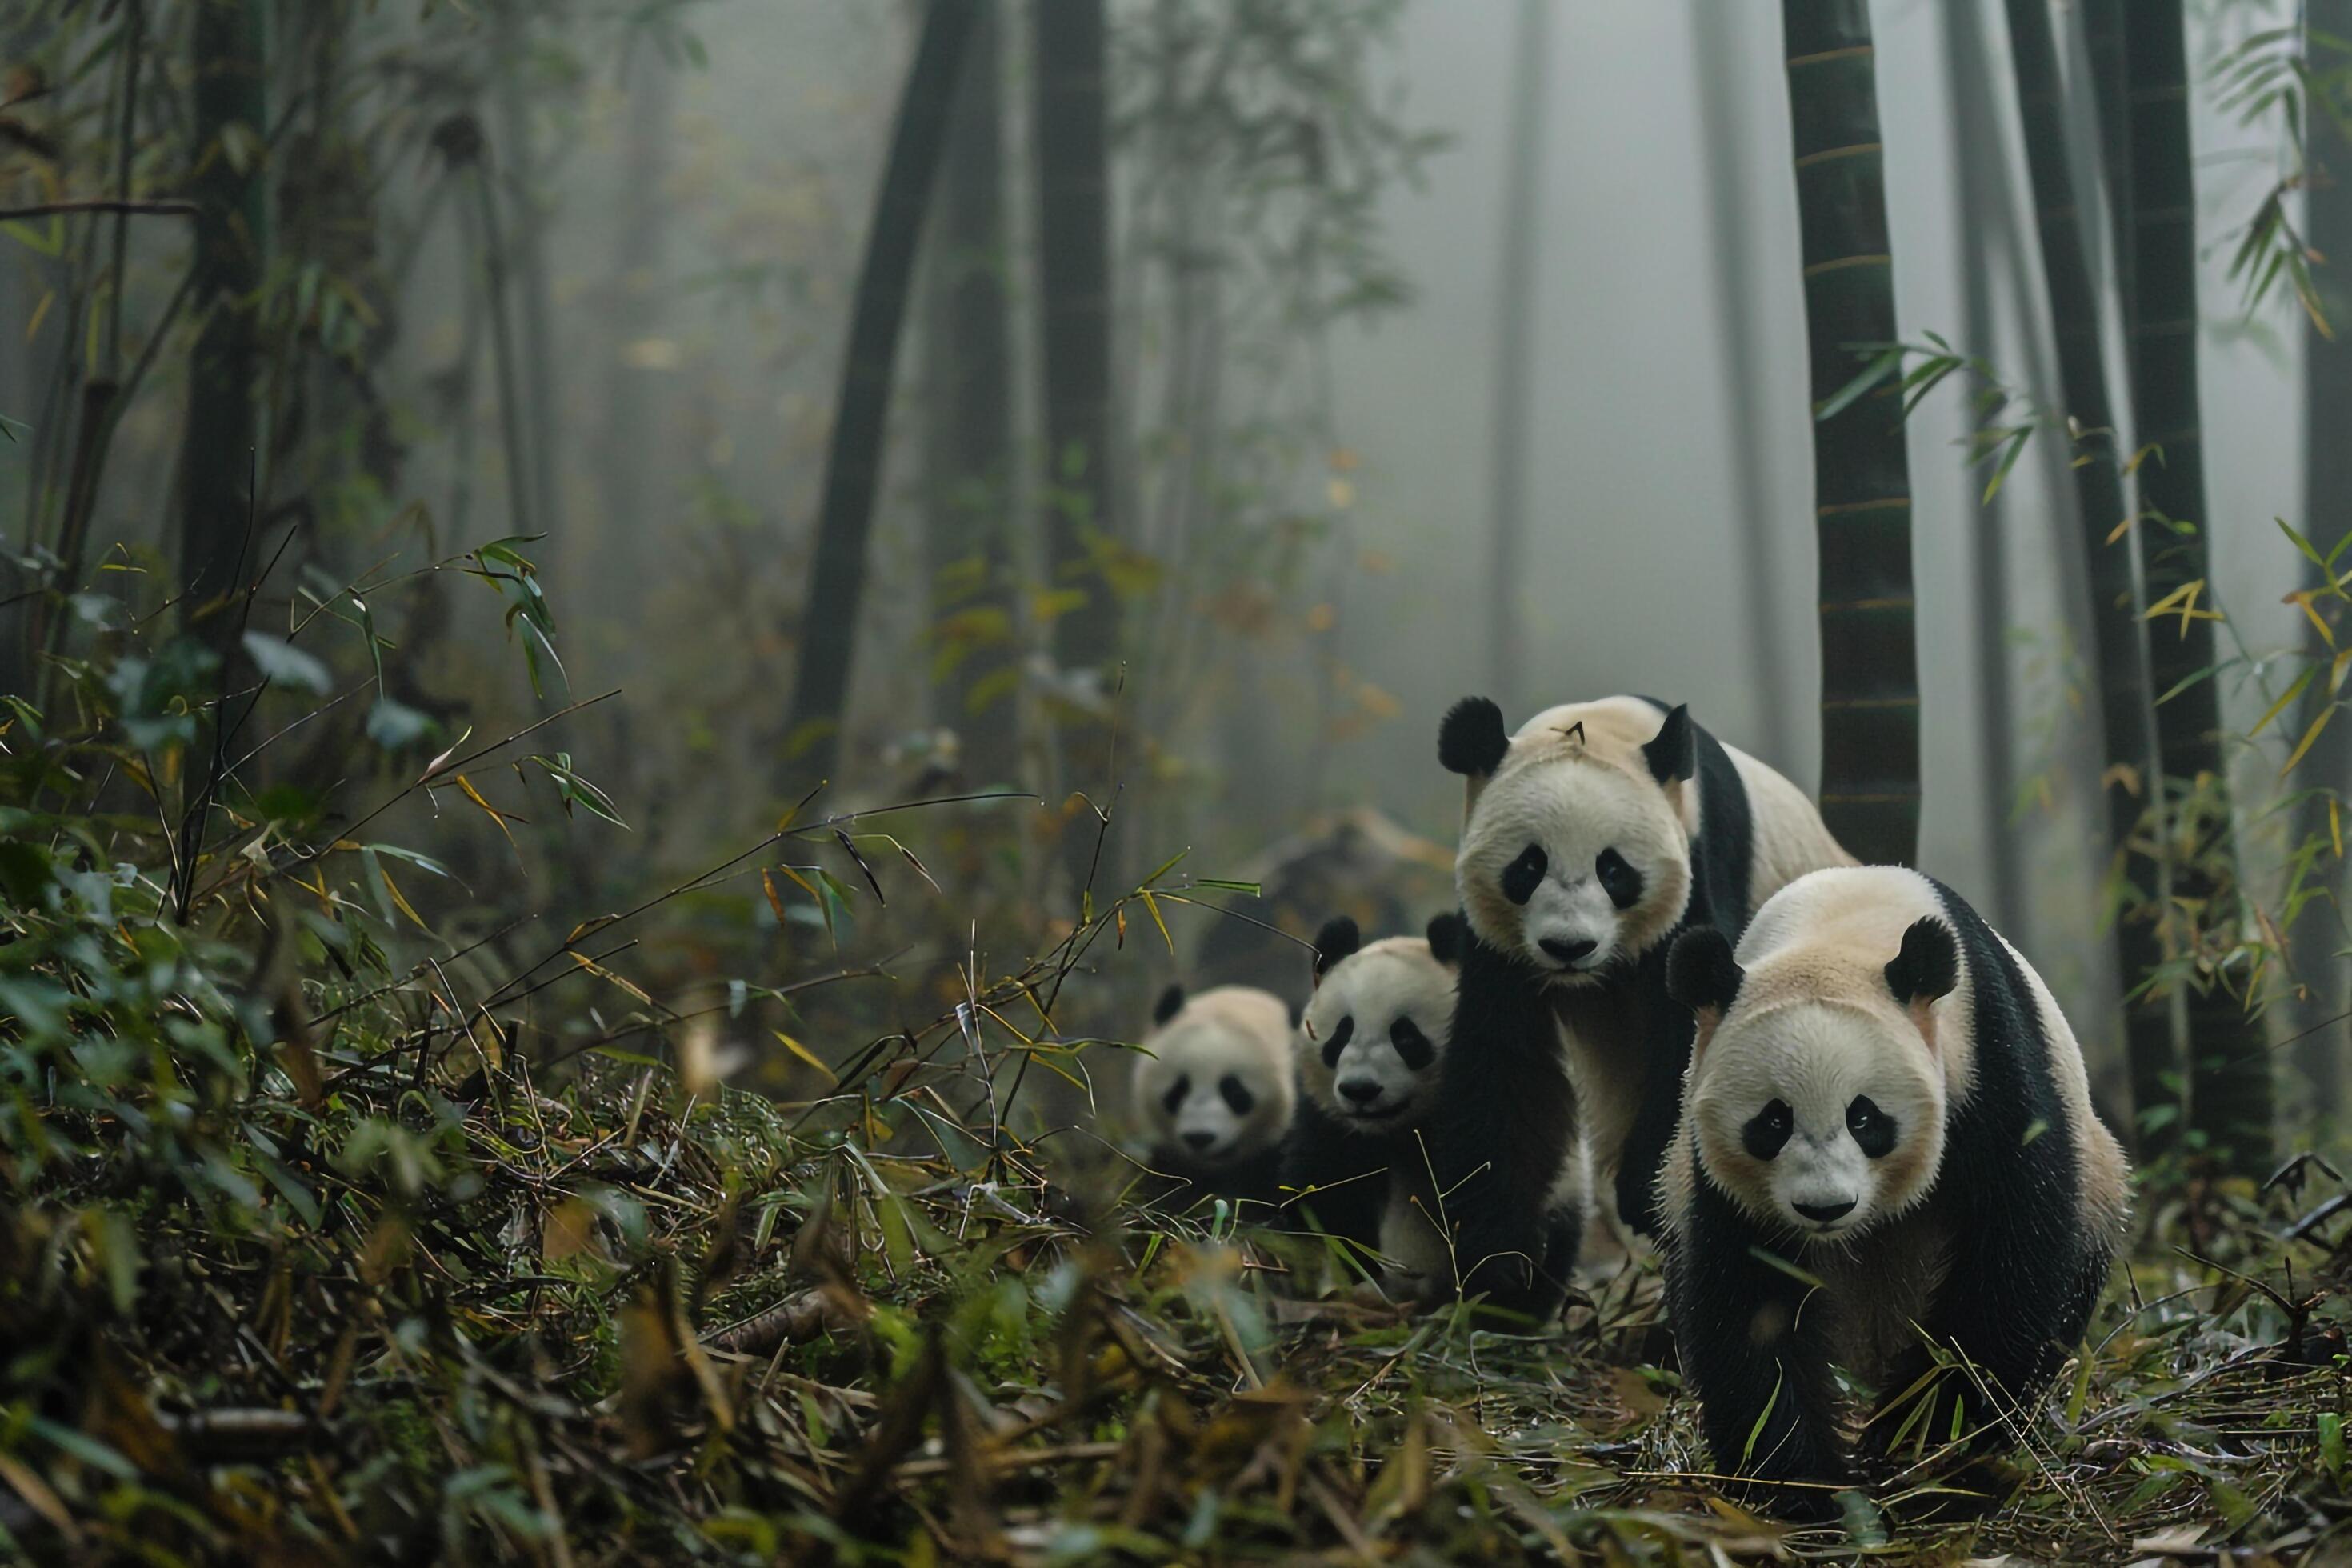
1861 478
853 469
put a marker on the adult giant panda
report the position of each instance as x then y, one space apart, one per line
1214 1089
1589 840
1887 1151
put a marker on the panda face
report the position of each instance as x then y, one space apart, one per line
1574 864
1823 1117
1371 1041
1216 1089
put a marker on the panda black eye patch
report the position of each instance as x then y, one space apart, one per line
1236 1093
1339 1041
1618 879
1768 1129
1412 1046
1873 1129
1176 1093
1522 875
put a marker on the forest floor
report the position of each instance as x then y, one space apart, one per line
650 1329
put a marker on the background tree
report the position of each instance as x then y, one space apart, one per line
218 448
1862 482
1515 335
968 423
853 462
2118 655
2230 1087
2319 936
1731 228
1074 286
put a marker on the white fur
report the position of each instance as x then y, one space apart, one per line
1236 1030
1372 988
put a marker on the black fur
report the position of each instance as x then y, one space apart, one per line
1505 1110
1170 1003
2025 1267
1471 739
1670 752
1701 974
1446 934
1338 939
1929 964
1338 1177
1502 1123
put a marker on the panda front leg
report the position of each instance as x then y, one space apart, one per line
1755 1345
2011 1307
1504 1122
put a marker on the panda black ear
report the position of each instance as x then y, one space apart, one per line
1701 974
1338 939
1170 1003
1472 739
1447 937
1673 753
1929 964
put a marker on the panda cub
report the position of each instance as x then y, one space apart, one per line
1368 1053
1214 1092
1589 839
1885 1106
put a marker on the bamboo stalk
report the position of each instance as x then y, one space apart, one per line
2119 658
1862 480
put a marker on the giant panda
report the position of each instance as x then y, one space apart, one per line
1589 839
1214 1090
1369 1048
1887 1149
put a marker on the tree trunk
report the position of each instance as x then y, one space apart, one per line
1073 270
2229 1095
968 417
1729 238
853 467
1861 479
2318 934
217 452
518 171
1516 299
1984 224
2118 655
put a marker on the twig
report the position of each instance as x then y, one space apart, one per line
100 204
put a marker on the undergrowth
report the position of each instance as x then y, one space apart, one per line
329 1237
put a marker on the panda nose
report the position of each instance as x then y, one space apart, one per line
1362 1091
1203 1140
1567 951
1825 1212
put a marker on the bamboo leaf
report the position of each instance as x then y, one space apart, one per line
2279 707
2308 737
1877 371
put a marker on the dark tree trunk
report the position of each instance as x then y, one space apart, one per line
217 447
1729 240
2230 1094
2118 654
2318 934
1513 411
1984 226
969 423
1074 270
853 463
518 172
1861 478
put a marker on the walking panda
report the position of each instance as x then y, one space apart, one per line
1214 1092
1589 840
1884 1099
1370 1050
